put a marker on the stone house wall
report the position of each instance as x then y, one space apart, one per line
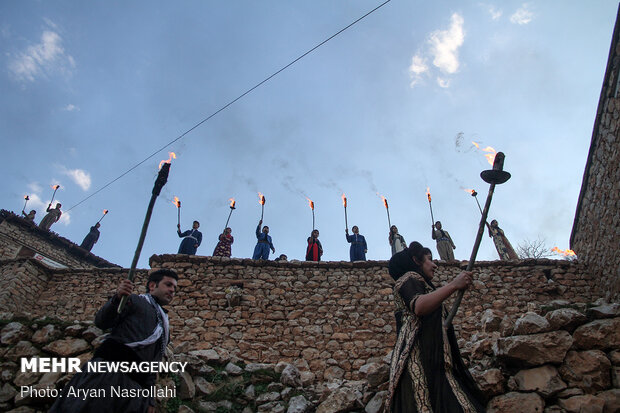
596 230
19 237
336 316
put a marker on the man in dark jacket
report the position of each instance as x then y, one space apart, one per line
139 334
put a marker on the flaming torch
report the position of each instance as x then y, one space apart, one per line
105 212
261 201
27 198
162 178
428 196
177 202
566 253
311 204
494 176
232 207
490 153
474 194
387 209
344 202
55 188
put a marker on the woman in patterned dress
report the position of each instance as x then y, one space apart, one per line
427 373
222 249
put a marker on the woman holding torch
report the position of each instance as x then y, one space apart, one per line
52 216
427 373
502 245
315 249
223 247
397 241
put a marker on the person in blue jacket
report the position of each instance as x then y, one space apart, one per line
261 251
191 239
358 245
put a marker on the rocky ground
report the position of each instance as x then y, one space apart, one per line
556 358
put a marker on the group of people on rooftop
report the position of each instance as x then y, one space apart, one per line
357 252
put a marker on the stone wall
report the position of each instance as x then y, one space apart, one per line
335 316
596 229
552 359
22 280
19 237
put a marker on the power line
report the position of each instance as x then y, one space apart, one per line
230 103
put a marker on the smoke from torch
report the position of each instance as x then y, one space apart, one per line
177 202
344 203
261 201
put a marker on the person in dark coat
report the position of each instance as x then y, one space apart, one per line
191 239
358 249
91 238
139 334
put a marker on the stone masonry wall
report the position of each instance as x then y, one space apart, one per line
22 280
334 316
16 233
596 229
557 359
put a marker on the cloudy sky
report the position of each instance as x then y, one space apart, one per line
389 106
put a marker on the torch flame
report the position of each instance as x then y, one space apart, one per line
55 187
344 200
428 193
261 199
232 203
310 203
469 191
105 211
490 156
171 155
385 203
566 253
177 202
26 197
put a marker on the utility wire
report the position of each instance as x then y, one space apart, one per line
229 104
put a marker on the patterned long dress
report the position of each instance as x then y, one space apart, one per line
223 247
502 245
427 373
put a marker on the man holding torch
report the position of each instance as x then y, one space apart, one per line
53 215
139 334
358 249
444 242
263 244
30 215
191 239
91 238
